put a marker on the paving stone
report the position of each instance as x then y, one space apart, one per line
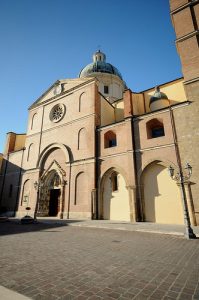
91 263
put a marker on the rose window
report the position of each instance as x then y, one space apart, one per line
57 113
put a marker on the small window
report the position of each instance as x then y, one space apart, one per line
155 128
10 191
157 132
114 181
106 89
112 143
110 139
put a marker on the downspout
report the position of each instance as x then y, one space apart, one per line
69 185
96 170
175 139
19 182
138 208
4 176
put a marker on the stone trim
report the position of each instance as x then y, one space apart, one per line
155 147
191 81
163 110
193 2
37 103
62 125
187 36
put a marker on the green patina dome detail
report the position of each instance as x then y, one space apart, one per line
99 65
158 96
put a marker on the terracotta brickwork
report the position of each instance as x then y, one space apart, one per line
185 22
174 4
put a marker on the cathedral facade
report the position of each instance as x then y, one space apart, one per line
96 150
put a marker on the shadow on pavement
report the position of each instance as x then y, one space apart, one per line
15 226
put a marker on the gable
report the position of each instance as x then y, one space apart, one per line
59 88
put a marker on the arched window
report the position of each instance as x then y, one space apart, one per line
81 189
155 128
114 181
81 101
30 151
110 139
81 139
33 121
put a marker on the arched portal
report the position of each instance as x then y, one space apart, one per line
114 197
161 196
50 195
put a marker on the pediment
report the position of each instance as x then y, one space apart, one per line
54 166
59 88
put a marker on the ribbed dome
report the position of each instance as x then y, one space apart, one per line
157 96
99 65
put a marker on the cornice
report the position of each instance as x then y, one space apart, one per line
193 2
37 103
187 36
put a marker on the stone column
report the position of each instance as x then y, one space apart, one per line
132 202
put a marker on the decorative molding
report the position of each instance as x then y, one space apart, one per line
50 168
193 2
187 36
191 81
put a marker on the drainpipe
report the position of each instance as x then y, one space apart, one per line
138 204
19 182
175 139
97 145
4 177
69 185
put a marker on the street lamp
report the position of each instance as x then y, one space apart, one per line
37 186
181 178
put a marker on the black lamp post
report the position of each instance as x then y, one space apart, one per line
37 186
181 178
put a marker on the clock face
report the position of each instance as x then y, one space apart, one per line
57 89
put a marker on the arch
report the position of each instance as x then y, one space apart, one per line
67 152
110 139
155 128
49 202
52 179
114 200
81 100
33 121
116 169
25 193
30 150
159 160
81 139
160 196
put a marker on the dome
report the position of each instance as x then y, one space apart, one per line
157 96
99 65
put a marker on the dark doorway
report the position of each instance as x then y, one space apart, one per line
54 202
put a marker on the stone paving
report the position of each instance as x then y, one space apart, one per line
56 261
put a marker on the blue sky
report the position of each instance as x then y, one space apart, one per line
46 40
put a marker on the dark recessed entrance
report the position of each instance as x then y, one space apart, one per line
54 202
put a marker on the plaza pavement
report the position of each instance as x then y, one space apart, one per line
57 259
